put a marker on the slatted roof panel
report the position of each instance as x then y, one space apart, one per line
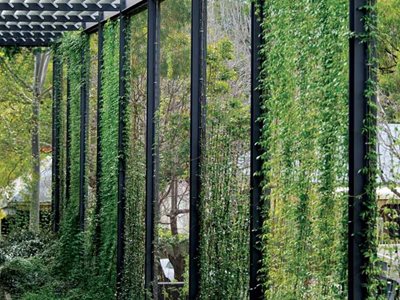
59 5
24 22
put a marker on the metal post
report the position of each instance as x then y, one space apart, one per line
197 130
56 176
83 137
359 152
100 43
54 145
121 151
256 220
68 144
153 94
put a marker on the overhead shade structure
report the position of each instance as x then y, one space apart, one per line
59 6
27 23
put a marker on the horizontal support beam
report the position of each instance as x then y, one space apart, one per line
38 27
29 34
26 41
49 18
25 44
129 10
67 7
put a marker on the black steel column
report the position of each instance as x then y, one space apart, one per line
256 221
100 43
359 152
121 151
153 95
68 144
197 128
56 119
83 135
54 195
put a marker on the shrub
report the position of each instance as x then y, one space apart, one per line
20 275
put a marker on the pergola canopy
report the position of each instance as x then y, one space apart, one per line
40 22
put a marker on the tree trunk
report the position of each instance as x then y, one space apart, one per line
177 258
35 201
174 206
40 71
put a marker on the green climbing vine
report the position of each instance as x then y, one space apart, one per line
305 137
370 245
305 140
71 239
225 181
58 121
91 239
136 158
84 253
108 181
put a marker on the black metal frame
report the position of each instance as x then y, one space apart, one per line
45 34
360 148
99 165
48 18
37 27
68 144
121 152
197 131
30 34
54 148
26 42
56 142
256 206
67 7
84 119
153 100
44 17
127 12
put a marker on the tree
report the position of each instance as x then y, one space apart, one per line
26 91
228 120
40 72
388 50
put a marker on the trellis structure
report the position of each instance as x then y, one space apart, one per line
41 24
26 23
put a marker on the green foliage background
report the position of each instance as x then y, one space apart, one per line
173 130
225 196
388 49
16 109
388 87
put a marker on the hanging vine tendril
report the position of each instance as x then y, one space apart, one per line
305 140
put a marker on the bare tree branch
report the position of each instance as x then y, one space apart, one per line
14 75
